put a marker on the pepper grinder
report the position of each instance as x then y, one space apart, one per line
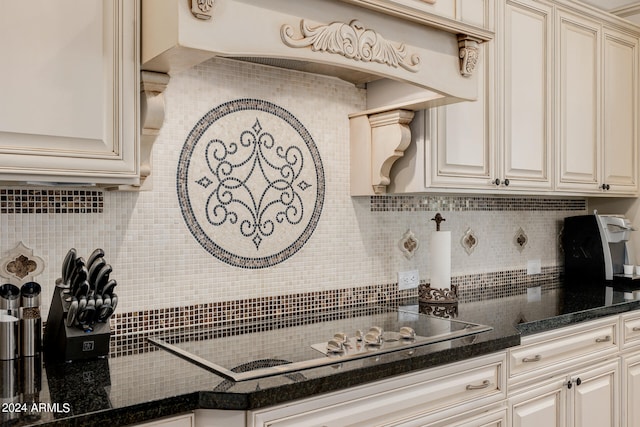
30 319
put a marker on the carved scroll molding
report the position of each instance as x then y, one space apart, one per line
469 54
201 9
352 41
390 137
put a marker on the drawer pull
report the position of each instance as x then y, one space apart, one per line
535 358
605 339
636 329
485 384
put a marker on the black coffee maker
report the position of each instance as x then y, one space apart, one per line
596 249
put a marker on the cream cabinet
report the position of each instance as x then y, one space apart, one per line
557 111
184 420
567 377
630 369
525 46
69 86
585 398
597 103
459 394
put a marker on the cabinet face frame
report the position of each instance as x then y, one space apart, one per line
105 156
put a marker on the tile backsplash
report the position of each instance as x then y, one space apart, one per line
160 266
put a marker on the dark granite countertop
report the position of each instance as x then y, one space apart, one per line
142 387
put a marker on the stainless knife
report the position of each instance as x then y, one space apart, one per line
95 255
102 278
68 266
95 269
109 287
78 278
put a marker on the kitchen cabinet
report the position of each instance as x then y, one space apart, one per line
585 398
69 87
453 145
567 377
184 420
597 105
505 142
557 112
456 394
630 369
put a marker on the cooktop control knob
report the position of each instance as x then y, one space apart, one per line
335 346
407 333
341 337
359 335
377 330
374 336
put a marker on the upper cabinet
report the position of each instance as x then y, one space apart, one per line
597 100
557 111
69 86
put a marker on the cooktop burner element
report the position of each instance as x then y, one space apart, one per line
363 332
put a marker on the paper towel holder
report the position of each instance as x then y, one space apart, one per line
438 219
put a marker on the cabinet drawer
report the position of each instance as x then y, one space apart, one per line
631 329
390 401
564 347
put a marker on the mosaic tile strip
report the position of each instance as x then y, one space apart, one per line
131 330
487 286
62 201
250 183
420 203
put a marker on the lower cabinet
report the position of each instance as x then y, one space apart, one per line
184 420
631 390
584 398
456 394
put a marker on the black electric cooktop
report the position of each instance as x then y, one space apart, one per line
251 350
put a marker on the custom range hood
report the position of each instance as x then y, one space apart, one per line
409 54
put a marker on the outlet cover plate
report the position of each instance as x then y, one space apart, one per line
534 266
408 279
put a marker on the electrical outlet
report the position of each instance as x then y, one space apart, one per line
408 279
534 266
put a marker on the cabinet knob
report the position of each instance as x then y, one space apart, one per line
497 181
506 182
605 186
578 381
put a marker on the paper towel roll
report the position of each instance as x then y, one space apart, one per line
440 251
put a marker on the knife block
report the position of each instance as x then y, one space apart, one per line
69 343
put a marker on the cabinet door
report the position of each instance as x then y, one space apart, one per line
527 140
596 400
578 102
620 111
631 391
69 90
463 151
543 405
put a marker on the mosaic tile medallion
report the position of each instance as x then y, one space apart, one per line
250 183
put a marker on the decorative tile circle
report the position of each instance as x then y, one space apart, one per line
250 183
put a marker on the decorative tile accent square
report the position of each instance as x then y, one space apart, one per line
26 201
